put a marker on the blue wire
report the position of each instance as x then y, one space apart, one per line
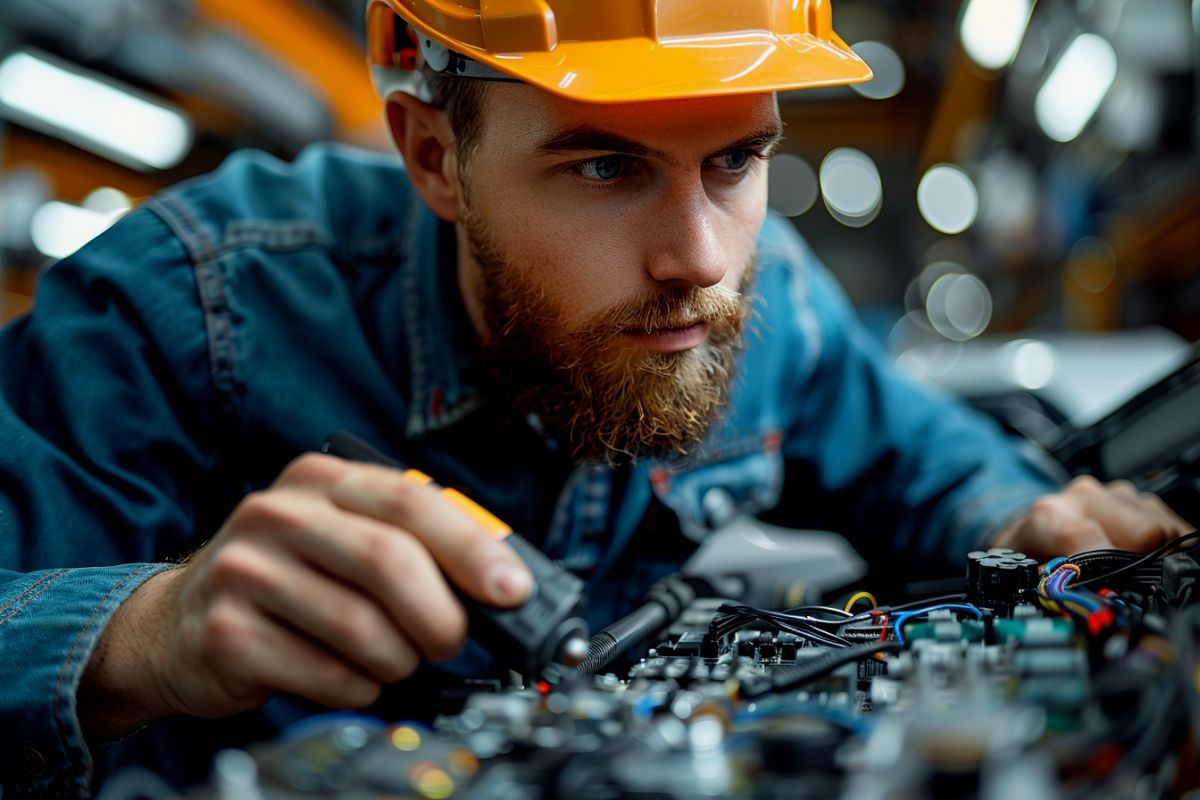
1056 588
1053 564
899 620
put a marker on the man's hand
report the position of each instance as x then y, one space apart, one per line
328 585
1089 515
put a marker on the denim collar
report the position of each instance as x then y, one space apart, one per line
443 347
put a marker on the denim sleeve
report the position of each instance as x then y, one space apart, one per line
94 445
50 621
914 478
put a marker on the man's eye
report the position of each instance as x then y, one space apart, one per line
735 161
606 168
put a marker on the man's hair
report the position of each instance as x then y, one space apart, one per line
462 100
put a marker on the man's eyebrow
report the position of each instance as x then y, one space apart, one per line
588 139
765 140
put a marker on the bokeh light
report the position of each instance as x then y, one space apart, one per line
947 199
791 185
93 111
887 66
1072 93
851 187
959 306
992 30
1034 363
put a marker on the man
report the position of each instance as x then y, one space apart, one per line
569 302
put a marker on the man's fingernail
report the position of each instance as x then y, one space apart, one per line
510 584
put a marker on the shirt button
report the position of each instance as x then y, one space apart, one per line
33 762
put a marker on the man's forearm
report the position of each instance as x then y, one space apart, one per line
120 690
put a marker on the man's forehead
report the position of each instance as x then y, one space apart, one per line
543 123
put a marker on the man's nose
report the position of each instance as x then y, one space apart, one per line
685 249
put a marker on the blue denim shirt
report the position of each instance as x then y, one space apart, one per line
232 323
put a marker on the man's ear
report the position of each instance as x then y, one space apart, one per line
423 136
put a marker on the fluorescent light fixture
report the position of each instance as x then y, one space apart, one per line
59 229
93 112
992 30
1075 87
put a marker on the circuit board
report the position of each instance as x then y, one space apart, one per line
1073 678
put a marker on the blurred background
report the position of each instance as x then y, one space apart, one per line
1013 203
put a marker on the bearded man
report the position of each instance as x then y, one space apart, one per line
569 301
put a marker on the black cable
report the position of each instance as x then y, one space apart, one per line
818 666
1158 552
826 609
1106 562
664 602
731 618
928 601
790 616
610 642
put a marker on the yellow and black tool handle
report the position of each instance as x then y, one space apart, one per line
525 638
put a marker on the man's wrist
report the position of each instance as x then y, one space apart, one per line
123 685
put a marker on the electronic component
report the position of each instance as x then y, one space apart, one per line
1066 687
1001 579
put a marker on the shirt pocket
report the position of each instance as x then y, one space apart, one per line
742 477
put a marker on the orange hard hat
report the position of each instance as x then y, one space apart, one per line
617 50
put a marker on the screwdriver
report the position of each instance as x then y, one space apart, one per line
548 628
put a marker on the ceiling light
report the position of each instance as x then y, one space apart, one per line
92 111
59 229
1075 87
992 30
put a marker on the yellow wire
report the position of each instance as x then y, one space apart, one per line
1053 605
1078 608
850 603
1045 600
1049 604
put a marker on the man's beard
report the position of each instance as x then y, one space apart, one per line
601 397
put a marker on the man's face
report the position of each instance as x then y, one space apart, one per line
608 249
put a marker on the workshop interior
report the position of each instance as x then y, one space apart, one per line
1013 206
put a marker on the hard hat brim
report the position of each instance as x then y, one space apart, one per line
641 69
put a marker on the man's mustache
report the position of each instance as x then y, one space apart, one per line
665 311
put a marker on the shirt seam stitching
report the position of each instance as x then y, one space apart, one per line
203 256
48 583
29 589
